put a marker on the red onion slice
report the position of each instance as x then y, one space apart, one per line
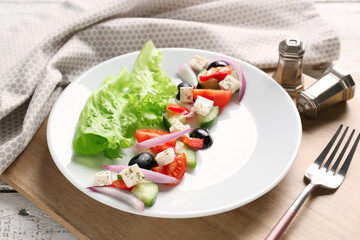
149 175
187 74
243 86
121 194
161 139
239 72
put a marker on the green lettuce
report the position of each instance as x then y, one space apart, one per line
124 103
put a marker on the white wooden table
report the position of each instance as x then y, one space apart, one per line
20 219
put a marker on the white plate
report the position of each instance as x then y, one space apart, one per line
255 143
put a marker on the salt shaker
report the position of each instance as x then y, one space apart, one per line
290 66
336 86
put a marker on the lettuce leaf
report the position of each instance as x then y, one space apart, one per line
124 103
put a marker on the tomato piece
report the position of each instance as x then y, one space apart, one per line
174 169
220 97
219 73
119 183
177 108
192 142
146 134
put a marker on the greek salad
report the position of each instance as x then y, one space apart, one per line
168 145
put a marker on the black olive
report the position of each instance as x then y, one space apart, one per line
144 160
183 84
217 64
202 134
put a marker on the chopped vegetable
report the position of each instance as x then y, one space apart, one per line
178 108
187 74
190 154
161 139
174 169
220 97
193 142
124 103
119 183
208 120
145 134
211 83
219 73
147 192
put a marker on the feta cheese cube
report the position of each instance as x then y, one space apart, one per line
198 63
132 175
230 83
165 157
177 126
202 106
186 94
103 178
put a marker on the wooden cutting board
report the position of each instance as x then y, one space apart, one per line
325 215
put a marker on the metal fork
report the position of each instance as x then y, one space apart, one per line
319 176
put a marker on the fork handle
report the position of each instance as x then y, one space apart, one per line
288 216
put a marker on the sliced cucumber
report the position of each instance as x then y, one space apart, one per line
147 192
190 154
206 121
212 83
166 122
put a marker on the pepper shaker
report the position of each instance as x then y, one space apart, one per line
290 66
336 86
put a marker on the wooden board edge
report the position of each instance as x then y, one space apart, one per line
44 208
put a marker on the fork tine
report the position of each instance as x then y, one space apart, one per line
328 162
323 154
347 162
334 167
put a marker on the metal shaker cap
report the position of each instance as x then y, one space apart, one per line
290 66
292 47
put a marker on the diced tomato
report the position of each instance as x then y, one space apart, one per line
146 134
174 169
192 142
177 108
219 73
220 97
119 183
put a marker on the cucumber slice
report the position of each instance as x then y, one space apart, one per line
206 121
166 122
190 154
147 192
212 83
